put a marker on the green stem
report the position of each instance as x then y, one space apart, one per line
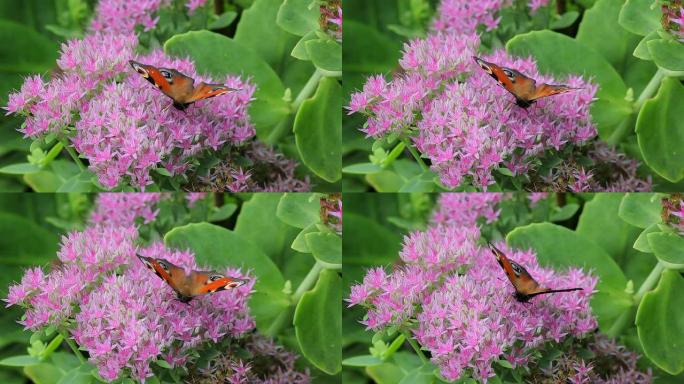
627 315
285 124
650 89
73 154
73 346
52 153
623 129
308 89
415 346
415 154
306 284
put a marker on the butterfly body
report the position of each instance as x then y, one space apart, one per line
189 285
526 287
179 87
525 89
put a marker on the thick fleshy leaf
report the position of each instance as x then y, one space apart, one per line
667 54
258 31
668 247
641 50
318 131
219 55
20 361
318 323
362 361
325 54
20 169
660 325
325 246
299 209
298 16
637 16
616 44
641 243
641 209
24 50
600 222
43 373
660 130
258 218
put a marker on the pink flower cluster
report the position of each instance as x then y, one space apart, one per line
468 127
123 209
121 16
127 129
51 298
391 299
455 297
464 209
125 316
134 318
472 319
465 16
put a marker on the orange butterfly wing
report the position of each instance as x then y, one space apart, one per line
546 90
205 91
210 282
524 88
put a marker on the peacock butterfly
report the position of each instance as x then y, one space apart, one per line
526 287
196 283
524 89
177 86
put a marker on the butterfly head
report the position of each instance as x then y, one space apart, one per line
140 68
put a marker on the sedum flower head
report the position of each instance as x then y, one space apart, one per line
121 16
123 209
472 320
465 16
134 318
462 120
465 209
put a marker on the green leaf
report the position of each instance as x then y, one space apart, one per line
81 182
561 55
318 323
641 242
163 363
668 247
223 213
667 54
641 51
43 373
637 16
325 246
372 51
599 222
420 375
660 130
298 16
641 209
77 375
299 243
220 247
362 169
299 50
257 31
565 20
362 361
386 373
558 246
299 210
326 54
423 182
366 242
25 243
20 169
616 44
223 21
24 49
564 213
257 218
219 55
163 171
318 131
660 325
20 361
